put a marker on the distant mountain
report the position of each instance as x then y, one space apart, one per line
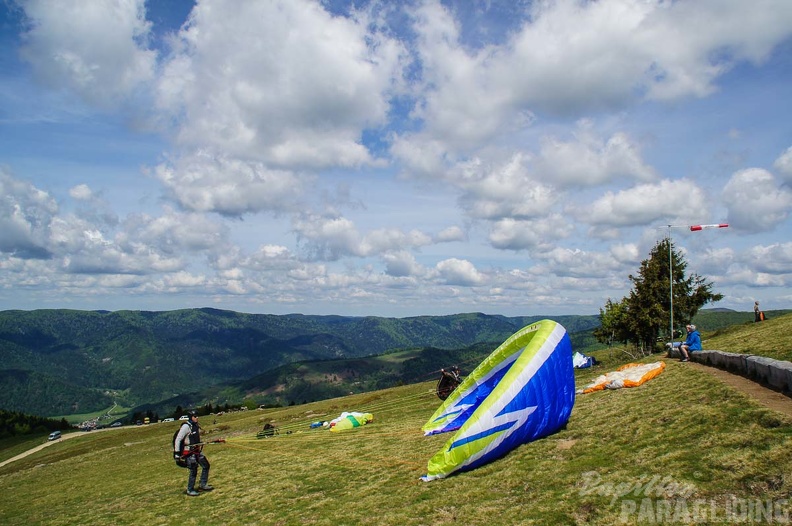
302 382
58 362
308 381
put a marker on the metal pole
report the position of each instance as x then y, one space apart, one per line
671 287
693 228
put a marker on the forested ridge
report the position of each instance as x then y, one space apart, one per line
60 362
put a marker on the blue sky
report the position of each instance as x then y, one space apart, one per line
390 158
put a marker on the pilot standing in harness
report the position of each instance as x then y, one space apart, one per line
187 448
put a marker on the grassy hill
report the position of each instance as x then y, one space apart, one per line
716 319
769 338
684 445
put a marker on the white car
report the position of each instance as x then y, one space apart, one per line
168 420
183 417
55 435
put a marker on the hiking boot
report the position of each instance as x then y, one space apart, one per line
205 487
192 493
684 360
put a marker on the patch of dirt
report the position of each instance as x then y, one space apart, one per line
566 444
764 395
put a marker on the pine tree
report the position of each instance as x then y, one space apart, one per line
641 317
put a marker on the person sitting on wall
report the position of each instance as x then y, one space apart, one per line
692 343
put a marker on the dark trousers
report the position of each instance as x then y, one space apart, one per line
193 461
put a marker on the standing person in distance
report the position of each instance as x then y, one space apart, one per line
187 446
757 312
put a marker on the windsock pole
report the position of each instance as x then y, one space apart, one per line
693 228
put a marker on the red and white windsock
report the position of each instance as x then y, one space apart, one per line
695 228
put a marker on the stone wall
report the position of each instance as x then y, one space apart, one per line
768 371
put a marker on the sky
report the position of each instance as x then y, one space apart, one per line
390 158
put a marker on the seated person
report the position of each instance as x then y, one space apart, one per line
692 343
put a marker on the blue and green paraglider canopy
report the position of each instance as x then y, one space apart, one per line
521 392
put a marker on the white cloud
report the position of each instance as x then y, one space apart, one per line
589 160
419 155
576 263
541 234
25 216
103 258
784 165
81 192
270 257
406 146
501 191
714 263
402 264
571 57
206 182
625 253
332 237
773 259
644 204
284 83
459 272
755 202
174 233
181 280
452 233
95 48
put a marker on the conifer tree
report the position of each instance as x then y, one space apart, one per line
642 316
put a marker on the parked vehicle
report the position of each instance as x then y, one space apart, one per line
117 423
55 435
167 420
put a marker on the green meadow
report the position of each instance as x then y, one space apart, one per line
682 448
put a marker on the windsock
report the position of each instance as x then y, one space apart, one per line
696 228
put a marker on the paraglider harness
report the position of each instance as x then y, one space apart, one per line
449 380
268 431
194 449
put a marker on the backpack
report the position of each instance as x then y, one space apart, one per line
181 461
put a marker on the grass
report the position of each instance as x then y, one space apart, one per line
115 412
686 431
13 446
768 338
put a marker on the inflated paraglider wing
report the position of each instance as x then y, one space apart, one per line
523 391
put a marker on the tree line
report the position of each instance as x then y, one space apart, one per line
13 423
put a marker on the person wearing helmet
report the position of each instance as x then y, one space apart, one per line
188 448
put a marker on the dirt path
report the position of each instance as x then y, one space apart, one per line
765 396
67 436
